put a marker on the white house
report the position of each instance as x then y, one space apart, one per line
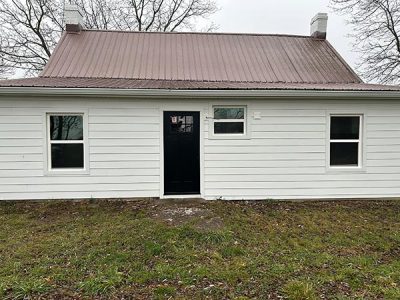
218 116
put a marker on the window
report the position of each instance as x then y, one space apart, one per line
66 142
181 124
229 120
345 141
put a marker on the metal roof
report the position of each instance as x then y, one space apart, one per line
208 57
195 61
188 85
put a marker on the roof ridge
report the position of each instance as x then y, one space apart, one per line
202 33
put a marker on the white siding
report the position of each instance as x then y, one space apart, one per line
284 156
287 155
124 150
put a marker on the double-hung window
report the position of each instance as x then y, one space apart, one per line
229 120
345 141
66 149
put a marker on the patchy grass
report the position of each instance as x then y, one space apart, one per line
200 250
299 290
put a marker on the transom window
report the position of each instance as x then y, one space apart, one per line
66 142
229 120
345 140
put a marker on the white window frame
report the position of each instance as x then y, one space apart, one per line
229 135
360 159
67 171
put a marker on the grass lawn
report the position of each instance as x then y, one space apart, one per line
200 250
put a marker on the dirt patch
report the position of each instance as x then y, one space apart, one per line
198 214
334 288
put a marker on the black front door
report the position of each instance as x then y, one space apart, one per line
181 153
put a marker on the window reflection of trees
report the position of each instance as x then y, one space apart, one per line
182 124
66 127
229 113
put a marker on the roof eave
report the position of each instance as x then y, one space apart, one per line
170 93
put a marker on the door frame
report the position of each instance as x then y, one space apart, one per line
188 108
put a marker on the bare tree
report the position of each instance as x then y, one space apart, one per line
376 29
4 71
102 14
30 29
166 15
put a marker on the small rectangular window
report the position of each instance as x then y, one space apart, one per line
66 142
181 124
229 120
345 141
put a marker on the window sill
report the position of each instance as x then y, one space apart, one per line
229 137
66 172
341 170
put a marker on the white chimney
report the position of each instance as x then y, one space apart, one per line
73 18
319 25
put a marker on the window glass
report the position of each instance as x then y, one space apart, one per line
181 124
344 154
221 113
345 141
67 156
345 127
66 127
228 127
66 149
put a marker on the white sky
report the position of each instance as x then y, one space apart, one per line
283 16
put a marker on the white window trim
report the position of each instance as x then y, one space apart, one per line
66 171
361 148
229 136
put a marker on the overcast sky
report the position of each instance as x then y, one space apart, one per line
283 16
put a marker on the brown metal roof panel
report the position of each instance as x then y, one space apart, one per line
197 57
121 58
241 64
211 58
183 58
57 59
129 57
112 66
87 69
314 71
264 62
56 55
334 68
226 67
292 66
351 76
125 50
260 65
69 66
84 55
300 59
326 63
108 56
274 58
247 54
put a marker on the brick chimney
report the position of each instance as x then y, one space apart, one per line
319 25
73 18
